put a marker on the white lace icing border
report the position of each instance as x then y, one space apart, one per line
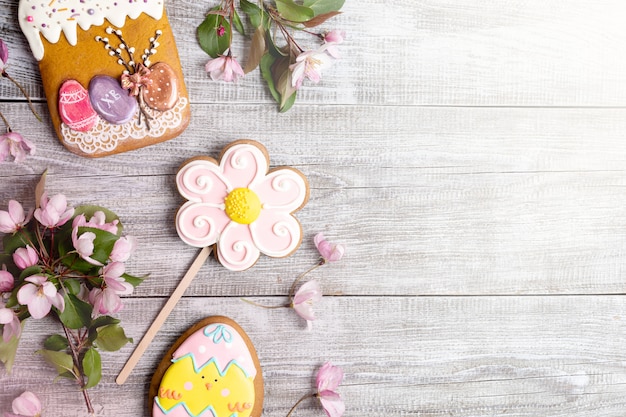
105 137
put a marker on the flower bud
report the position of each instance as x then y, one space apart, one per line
7 281
25 257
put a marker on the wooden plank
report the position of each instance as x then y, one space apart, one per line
427 356
451 52
452 201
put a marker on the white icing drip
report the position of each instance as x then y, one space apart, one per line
105 137
50 18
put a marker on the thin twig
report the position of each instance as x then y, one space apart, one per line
298 403
30 104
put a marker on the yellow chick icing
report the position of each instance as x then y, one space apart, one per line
213 373
226 394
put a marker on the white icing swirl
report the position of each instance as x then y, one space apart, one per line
51 17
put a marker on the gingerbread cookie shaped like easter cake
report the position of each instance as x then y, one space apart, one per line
211 371
110 71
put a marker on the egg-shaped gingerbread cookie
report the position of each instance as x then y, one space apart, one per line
211 371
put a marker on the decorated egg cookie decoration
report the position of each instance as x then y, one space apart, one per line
241 206
211 371
110 71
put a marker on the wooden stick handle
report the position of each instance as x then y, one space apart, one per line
163 314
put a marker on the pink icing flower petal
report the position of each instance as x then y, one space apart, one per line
202 181
200 225
243 166
235 249
276 233
282 189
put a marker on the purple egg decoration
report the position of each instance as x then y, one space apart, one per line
110 100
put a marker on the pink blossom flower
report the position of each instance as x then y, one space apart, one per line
328 379
10 323
16 145
26 405
7 281
330 252
14 219
25 257
304 299
332 39
224 68
40 295
240 207
123 248
84 245
309 64
107 299
4 56
97 221
53 212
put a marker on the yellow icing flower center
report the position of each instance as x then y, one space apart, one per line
242 205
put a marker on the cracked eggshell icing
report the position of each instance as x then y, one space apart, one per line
49 18
211 371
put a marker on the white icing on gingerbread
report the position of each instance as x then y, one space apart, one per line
48 18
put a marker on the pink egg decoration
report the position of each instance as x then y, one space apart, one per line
162 93
75 108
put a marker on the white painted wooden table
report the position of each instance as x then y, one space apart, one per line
469 154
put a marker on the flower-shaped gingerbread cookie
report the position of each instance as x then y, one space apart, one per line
241 206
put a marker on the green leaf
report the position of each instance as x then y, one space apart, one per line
133 280
16 240
287 104
257 50
61 361
238 24
31 270
286 90
97 323
56 342
266 71
77 313
67 375
111 338
103 243
208 38
103 321
253 12
90 210
92 367
324 6
72 285
294 12
318 20
8 351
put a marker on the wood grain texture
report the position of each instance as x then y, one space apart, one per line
469 154
427 356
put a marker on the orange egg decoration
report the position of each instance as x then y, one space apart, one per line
162 91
